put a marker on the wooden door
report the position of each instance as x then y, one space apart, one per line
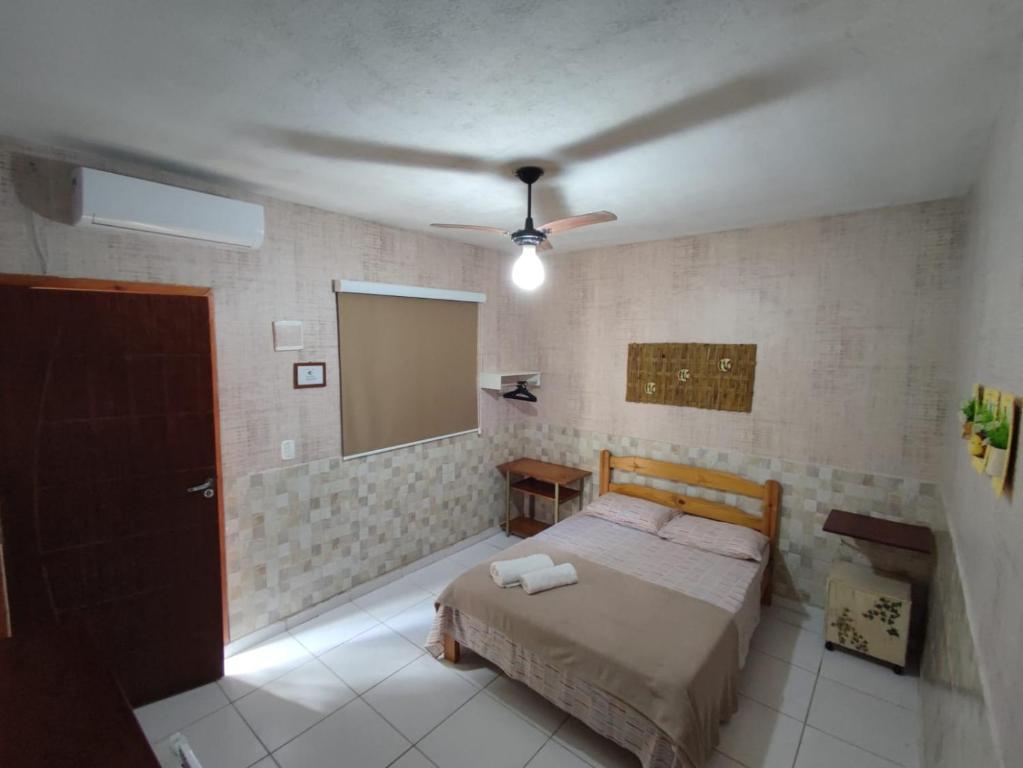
107 407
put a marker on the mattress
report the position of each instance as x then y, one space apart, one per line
730 584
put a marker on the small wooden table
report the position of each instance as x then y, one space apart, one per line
543 479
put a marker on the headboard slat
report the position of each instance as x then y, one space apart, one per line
769 493
689 475
692 505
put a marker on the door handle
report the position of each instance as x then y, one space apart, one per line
206 488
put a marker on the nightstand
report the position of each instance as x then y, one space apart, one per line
868 613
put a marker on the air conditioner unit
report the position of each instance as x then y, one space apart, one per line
108 200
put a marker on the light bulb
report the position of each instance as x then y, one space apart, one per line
528 272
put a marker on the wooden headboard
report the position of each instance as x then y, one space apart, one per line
769 493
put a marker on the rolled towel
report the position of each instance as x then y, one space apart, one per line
507 573
549 578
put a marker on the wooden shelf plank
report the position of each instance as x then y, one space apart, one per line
524 527
917 538
533 487
544 470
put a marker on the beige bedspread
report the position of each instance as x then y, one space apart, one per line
730 584
672 657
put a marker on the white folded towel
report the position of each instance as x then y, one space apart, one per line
507 573
549 578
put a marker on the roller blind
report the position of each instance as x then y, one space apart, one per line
408 370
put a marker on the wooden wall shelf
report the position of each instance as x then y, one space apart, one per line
503 380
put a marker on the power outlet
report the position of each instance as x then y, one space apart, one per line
287 449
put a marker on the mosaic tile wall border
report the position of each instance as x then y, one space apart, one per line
270 630
809 492
299 535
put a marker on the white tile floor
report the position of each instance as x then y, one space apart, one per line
353 688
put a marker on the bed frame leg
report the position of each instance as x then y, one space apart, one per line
452 650
767 587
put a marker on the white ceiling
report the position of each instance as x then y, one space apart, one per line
679 116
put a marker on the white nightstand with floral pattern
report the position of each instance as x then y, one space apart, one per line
868 613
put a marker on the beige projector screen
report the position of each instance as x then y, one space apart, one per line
408 370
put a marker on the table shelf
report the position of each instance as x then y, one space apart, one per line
524 527
533 487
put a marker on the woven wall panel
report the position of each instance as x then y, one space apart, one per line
713 376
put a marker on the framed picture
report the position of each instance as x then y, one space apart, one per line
310 375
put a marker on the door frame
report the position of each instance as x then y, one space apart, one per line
48 282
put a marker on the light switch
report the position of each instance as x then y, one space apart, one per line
287 449
287 335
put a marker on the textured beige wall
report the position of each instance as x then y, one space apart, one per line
852 316
988 532
956 719
274 566
288 278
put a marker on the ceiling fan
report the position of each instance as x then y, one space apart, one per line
528 272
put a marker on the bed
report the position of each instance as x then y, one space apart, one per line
647 647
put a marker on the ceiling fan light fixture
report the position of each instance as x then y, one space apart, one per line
528 272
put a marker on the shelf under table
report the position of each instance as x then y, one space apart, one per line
524 527
533 487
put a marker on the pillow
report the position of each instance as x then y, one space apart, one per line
711 536
631 512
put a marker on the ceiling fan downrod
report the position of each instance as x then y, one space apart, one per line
529 234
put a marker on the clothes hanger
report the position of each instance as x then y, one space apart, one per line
521 393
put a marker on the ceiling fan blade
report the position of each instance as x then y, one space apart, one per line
574 222
474 227
546 245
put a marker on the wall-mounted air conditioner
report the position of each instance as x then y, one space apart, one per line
107 200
